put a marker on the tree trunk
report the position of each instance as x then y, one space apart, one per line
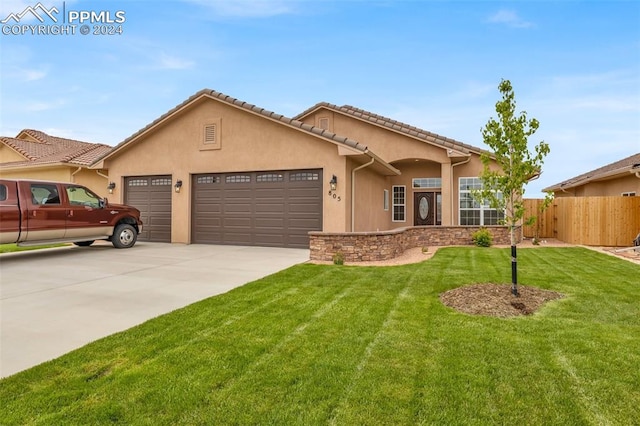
514 263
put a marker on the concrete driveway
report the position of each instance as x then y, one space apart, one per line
53 301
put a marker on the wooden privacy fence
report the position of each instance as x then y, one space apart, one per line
592 221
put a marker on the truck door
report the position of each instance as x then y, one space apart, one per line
47 215
86 216
9 212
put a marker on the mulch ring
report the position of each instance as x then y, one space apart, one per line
496 300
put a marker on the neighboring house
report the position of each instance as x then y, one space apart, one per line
619 178
217 170
33 154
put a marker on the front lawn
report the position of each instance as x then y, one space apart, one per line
364 345
11 248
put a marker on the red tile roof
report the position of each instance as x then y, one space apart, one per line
40 148
621 167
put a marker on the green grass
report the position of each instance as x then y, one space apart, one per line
361 345
10 248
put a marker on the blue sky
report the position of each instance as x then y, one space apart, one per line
574 65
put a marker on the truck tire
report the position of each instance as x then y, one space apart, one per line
125 236
84 243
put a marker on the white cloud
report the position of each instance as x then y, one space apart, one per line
39 106
509 18
248 8
173 62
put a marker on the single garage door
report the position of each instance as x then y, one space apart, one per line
152 196
274 208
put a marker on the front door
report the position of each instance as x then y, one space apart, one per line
426 208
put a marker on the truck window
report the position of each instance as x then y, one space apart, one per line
3 192
81 196
42 193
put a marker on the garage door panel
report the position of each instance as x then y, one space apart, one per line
275 208
152 196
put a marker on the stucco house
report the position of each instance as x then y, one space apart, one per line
217 170
620 178
33 154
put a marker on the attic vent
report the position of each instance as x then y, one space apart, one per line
210 134
323 123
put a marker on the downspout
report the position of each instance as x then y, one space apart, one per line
453 215
102 174
353 191
74 173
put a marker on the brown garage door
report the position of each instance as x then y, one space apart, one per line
274 208
152 196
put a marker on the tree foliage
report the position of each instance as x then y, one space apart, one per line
508 138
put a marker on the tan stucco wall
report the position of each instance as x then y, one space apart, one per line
369 206
611 187
8 155
401 151
61 173
248 143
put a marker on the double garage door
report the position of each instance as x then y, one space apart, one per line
274 208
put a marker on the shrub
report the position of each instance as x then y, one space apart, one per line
482 238
338 258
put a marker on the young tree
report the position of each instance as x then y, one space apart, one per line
504 188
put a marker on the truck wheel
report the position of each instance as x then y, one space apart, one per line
83 243
125 236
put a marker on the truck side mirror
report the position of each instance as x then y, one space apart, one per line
103 203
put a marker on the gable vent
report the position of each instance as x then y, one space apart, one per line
210 134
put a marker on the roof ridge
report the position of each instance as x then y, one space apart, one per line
398 126
17 148
248 107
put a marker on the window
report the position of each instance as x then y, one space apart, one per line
207 180
385 200
138 182
427 183
44 194
237 179
304 176
270 177
80 196
3 192
160 181
399 203
628 194
472 212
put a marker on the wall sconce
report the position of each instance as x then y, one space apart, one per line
333 183
178 185
111 187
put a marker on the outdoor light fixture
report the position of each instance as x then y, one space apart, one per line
178 185
333 183
111 187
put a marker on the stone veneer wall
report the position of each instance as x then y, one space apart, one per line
385 245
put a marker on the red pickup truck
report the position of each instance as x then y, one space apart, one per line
36 212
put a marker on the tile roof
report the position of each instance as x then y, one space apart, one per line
620 167
40 148
398 126
248 107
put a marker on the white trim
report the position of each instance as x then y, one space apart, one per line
385 200
403 205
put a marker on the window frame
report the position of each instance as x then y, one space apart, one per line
485 211
402 206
